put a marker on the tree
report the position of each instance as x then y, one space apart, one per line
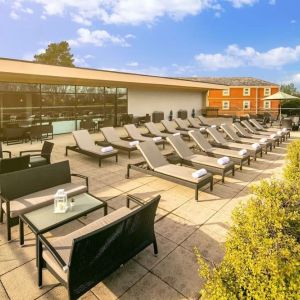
58 54
289 88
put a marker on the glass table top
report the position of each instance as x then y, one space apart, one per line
44 218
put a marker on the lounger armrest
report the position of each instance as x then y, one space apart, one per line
8 152
30 151
134 199
83 177
54 253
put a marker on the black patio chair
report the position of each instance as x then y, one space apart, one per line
4 151
14 164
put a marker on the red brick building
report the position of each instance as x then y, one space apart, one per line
244 95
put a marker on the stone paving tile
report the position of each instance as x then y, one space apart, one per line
183 262
3 295
151 287
120 281
147 259
21 283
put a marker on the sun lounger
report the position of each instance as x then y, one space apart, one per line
195 123
113 139
218 137
184 124
86 145
206 147
197 160
259 127
170 128
258 133
135 134
154 131
157 165
242 131
234 137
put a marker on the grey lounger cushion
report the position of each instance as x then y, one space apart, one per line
112 137
155 131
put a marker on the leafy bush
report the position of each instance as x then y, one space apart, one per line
262 258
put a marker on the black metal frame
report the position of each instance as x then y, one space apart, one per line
97 263
91 154
144 168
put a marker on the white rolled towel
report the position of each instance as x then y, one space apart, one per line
273 136
157 138
243 152
263 140
279 132
107 149
284 129
255 146
213 126
199 173
133 143
176 133
202 129
223 160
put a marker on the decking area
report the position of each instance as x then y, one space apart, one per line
181 224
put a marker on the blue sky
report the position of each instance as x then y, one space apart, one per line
259 38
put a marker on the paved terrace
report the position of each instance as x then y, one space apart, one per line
181 224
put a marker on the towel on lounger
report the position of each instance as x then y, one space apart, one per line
199 173
223 160
133 143
255 146
156 138
202 129
263 140
176 133
279 132
213 126
273 136
107 149
243 152
284 129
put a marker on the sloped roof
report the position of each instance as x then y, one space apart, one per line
233 81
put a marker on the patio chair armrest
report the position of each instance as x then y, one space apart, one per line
134 199
8 152
30 151
81 176
54 253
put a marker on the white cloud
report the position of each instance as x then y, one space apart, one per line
30 56
14 15
97 38
234 57
272 2
82 61
241 3
133 64
295 78
293 21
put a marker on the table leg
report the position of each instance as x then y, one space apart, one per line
39 261
21 231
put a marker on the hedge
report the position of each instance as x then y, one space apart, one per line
262 249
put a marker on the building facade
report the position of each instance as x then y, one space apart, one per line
32 93
242 96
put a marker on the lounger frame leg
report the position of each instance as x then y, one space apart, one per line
241 165
211 187
66 153
8 220
196 193
249 161
223 177
100 162
233 171
116 158
40 262
128 172
21 232
129 152
155 247
261 152
1 211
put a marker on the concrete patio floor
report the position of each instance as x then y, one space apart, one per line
181 224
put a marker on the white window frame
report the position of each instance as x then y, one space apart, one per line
226 92
248 102
227 106
267 106
267 91
246 91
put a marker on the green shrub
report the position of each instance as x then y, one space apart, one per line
262 257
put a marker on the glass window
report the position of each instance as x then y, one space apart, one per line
246 92
54 88
246 104
267 91
19 87
226 92
225 104
267 104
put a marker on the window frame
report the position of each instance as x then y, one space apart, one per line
267 89
249 104
223 107
247 93
269 104
226 92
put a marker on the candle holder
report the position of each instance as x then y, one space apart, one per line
60 202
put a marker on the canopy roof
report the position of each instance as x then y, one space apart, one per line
280 96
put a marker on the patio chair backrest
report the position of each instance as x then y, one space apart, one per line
169 126
46 150
152 128
200 140
14 164
256 124
193 122
133 132
202 120
249 126
230 132
152 155
180 147
182 123
110 134
218 137
98 254
241 129
83 139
